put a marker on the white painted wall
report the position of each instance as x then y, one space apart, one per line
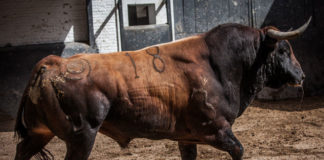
42 21
105 29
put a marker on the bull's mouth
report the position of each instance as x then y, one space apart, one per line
296 83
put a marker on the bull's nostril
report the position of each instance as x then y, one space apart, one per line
303 76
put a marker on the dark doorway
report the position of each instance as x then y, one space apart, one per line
143 14
142 29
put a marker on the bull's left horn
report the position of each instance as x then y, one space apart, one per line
288 35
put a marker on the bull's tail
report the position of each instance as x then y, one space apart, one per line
21 133
21 129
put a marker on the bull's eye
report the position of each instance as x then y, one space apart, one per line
282 52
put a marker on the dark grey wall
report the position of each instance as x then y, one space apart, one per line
197 16
139 37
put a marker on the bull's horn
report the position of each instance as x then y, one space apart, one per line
290 34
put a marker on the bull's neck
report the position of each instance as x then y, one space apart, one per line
252 83
254 78
240 68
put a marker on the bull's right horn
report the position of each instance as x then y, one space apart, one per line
290 34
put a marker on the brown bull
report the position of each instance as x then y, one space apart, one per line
190 91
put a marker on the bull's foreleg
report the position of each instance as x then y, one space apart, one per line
225 140
216 129
187 151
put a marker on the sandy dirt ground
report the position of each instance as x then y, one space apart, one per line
267 130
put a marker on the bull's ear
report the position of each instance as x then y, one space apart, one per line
266 39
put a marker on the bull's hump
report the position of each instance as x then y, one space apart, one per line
186 44
188 50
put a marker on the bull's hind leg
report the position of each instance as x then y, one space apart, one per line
187 151
32 144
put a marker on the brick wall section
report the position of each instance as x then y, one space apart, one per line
39 22
104 26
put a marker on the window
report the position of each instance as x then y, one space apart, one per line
142 14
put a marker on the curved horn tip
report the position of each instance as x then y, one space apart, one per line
309 19
290 34
306 24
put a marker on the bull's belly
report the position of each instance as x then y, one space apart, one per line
123 134
150 108
148 112
147 119
132 130
142 119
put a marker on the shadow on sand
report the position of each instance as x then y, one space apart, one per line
291 105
